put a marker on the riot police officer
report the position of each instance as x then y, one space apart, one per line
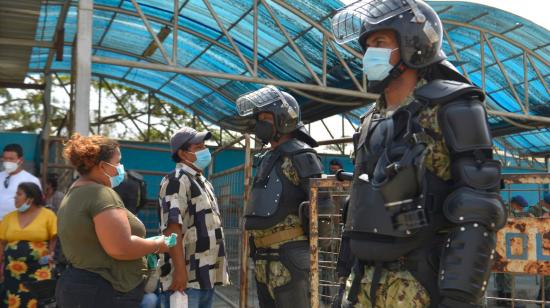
424 205
278 236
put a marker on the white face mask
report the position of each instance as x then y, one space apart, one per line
10 167
24 207
376 63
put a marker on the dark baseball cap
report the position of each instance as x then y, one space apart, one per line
520 200
187 135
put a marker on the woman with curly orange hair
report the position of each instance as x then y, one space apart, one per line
102 241
27 238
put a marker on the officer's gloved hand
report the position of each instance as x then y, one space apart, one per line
448 302
337 299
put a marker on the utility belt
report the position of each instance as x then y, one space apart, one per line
278 237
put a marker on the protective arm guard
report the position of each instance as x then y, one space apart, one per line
474 209
308 165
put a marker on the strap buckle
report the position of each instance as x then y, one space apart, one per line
412 215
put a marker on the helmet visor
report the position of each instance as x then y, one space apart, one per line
351 21
246 104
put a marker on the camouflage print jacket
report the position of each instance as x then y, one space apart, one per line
438 157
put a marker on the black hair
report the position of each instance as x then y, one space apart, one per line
175 157
52 179
14 147
33 191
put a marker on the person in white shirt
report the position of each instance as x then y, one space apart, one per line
12 176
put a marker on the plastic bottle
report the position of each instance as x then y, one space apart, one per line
178 300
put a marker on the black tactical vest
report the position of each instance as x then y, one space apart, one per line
273 195
394 203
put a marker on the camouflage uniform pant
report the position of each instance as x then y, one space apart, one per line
274 273
283 278
396 289
271 273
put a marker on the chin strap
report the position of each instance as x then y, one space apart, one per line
395 72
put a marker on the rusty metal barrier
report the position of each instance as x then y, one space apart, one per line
325 227
522 255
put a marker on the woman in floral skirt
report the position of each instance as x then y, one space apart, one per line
27 239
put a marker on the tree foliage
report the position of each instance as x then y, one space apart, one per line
125 113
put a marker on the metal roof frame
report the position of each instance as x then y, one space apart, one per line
318 80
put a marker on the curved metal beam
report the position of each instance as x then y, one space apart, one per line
216 89
317 26
322 29
243 78
500 36
130 54
218 44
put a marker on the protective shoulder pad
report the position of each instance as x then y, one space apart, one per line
304 158
464 125
293 146
307 163
441 91
466 205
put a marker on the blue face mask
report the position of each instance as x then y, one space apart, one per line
376 63
117 179
23 208
203 159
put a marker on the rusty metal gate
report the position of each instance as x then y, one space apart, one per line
522 253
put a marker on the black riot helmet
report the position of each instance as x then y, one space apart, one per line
418 28
283 107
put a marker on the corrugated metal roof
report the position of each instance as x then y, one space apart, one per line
119 33
18 20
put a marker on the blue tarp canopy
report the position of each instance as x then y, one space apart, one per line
119 33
